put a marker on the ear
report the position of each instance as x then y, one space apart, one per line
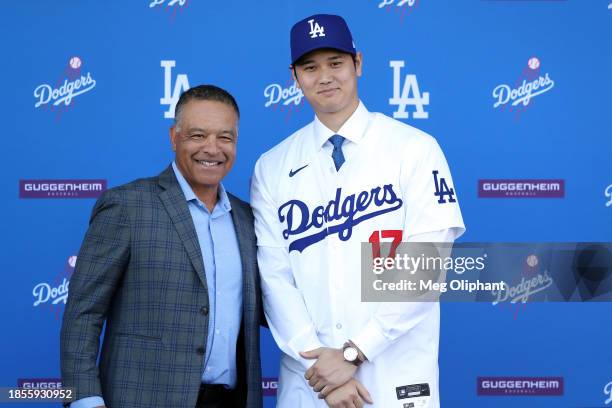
173 136
358 63
292 69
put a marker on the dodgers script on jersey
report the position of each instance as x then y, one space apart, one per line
310 221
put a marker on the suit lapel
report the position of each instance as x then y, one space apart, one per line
244 245
174 201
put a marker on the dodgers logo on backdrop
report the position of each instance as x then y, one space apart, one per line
400 3
316 30
287 98
348 211
533 281
55 293
171 7
171 95
608 392
402 7
402 99
170 3
523 290
442 189
276 93
531 83
608 193
74 84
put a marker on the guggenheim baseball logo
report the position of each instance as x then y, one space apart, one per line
269 386
520 386
40 383
61 188
527 188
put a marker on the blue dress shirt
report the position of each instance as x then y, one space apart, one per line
219 246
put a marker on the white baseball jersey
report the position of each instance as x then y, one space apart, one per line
310 221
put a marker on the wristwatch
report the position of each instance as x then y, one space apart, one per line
351 354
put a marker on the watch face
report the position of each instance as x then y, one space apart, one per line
350 354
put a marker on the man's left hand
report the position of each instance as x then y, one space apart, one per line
329 372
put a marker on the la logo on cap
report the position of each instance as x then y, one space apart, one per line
315 29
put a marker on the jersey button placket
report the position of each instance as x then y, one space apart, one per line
335 256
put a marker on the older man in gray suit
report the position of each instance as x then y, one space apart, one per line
169 262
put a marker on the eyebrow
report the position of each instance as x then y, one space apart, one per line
311 61
197 129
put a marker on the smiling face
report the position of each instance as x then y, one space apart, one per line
328 79
204 140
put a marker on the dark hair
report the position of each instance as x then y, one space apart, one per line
205 93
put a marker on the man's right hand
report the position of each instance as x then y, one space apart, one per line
350 395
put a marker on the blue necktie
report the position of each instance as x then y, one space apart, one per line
337 155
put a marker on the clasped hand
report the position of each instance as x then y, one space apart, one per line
332 377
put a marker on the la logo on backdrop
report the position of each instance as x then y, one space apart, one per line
532 82
72 83
407 94
172 93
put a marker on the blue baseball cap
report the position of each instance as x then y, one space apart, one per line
320 31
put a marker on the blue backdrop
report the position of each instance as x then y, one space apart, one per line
88 84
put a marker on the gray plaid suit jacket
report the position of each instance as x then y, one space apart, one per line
140 269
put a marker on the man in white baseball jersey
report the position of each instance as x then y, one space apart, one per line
348 175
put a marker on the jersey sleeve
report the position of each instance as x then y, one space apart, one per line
432 214
394 319
284 307
430 198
